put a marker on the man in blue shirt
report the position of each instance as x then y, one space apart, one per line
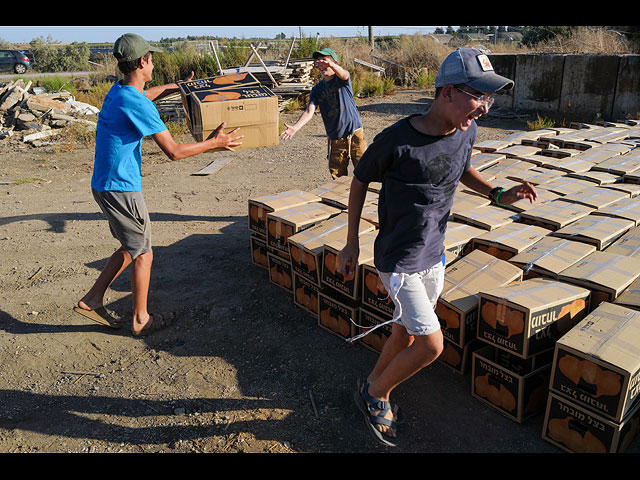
419 161
128 114
342 122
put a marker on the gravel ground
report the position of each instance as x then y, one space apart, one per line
243 369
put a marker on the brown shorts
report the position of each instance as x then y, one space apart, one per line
344 150
128 219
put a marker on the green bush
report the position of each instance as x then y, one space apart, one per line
50 58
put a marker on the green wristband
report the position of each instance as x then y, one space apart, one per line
498 198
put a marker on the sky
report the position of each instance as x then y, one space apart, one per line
106 33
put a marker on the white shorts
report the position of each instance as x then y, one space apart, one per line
415 296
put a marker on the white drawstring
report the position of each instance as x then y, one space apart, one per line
395 283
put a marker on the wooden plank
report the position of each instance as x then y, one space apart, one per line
213 167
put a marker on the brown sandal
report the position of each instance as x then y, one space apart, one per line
157 321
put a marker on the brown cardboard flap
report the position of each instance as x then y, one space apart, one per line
513 238
472 273
628 208
597 230
595 197
536 293
603 269
555 214
552 254
627 245
610 334
488 217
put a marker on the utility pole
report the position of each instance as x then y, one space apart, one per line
371 36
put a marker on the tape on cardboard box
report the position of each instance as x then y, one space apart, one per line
527 318
605 274
306 247
286 222
457 306
597 363
551 255
259 207
508 240
598 230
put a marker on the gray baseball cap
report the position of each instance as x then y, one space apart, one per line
471 67
131 47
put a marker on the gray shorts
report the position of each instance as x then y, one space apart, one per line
415 296
128 219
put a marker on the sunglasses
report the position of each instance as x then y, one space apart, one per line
482 99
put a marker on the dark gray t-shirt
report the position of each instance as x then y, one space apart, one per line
337 107
419 175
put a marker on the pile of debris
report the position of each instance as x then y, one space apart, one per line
31 114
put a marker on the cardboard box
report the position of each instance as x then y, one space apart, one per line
627 208
509 240
594 197
259 207
599 178
544 196
598 230
457 307
605 274
457 239
575 429
517 394
376 338
259 251
481 161
549 256
280 272
566 185
374 295
527 318
306 247
488 217
348 286
239 102
337 313
289 221
555 214
628 245
597 363
340 183
458 358
305 294
630 297
631 189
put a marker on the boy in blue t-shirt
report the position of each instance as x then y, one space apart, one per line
419 161
128 114
342 122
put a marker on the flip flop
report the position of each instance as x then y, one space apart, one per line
157 321
364 402
99 315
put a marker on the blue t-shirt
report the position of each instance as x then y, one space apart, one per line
419 175
337 107
125 118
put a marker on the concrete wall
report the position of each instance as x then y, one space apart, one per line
574 86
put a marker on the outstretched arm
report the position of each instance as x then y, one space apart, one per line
177 151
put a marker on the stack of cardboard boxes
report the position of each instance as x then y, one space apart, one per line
520 281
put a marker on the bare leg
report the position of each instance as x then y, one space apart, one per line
140 279
399 363
116 264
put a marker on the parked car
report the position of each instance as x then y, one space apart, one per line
14 61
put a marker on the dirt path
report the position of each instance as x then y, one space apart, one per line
244 369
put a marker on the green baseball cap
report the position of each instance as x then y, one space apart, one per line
131 47
325 52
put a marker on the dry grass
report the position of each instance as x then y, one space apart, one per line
588 40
